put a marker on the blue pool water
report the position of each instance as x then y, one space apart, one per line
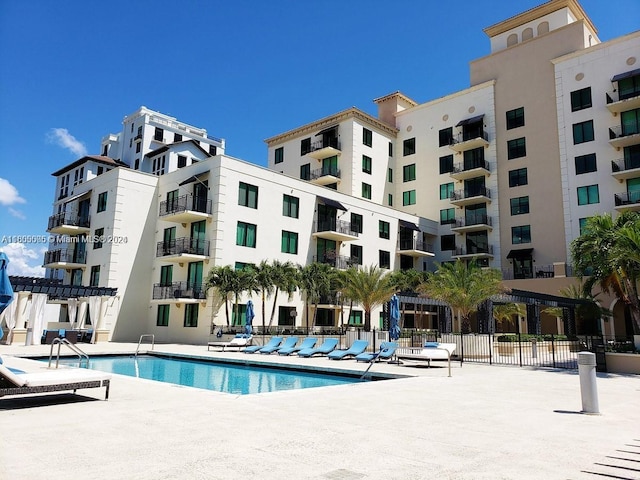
237 379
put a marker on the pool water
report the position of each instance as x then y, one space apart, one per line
236 379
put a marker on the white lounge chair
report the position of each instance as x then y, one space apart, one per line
430 351
51 381
239 341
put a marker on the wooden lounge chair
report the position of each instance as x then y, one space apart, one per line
51 381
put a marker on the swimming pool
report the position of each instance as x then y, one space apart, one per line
221 377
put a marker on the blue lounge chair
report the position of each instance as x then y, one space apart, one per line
306 344
356 348
274 342
288 343
387 349
328 346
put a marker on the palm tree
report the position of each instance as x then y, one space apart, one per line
222 279
315 282
264 282
406 281
504 312
463 286
370 287
588 312
244 281
607 254
285 278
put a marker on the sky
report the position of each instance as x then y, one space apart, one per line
245 70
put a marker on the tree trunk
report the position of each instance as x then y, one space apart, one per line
226 309
367 320
273 309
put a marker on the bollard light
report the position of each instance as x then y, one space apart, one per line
588 387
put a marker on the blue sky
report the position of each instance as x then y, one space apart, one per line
70 70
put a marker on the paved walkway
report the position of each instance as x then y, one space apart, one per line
485 422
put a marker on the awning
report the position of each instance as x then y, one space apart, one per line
332 203
327 130
409 225
520 253
470 120
193 178
76 197
622 76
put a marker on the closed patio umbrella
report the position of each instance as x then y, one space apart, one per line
394 318
6 291
249 318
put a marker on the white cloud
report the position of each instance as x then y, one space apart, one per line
9 194
24 261
62 138
17 213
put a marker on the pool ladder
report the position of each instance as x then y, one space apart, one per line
153 341
74 348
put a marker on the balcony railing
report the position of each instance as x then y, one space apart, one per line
341 262
65 256
69 218
470 193
620 131
477 250
176 290
614 96
184 245
466 166
624 164
627 198
185 202
323 172
326 143
339 226
415 244
467 136
469 221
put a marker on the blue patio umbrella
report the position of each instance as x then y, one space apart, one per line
6 292
249 318
394 318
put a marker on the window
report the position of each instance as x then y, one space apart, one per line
474 158
182 161
630 122
516 148
242 266
390 149
279 155
100 170
588 195
629 87
445 137
355 317
158 134
390 175
446 164
519 205
383 229
515 118
246 234
102 202
583 132
518 177
447 243
136 165
166 275
213 150
191 314
177 137
384 259
447 216
94 279
367 137
162 318
409 198
366 191
356 254
248 195
521 234
586 163
366 164
158 165
305 146
446 190
305 171
581 99
138 147
409 146
390 199
356 222
409 173
582 222
98 238
289 242
290 206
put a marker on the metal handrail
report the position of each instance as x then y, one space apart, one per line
72 347
153 341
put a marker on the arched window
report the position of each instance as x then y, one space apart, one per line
512 40
543 28
527 34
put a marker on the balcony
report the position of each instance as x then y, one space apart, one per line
413 247
470 196
473 252
624 137
186 292
185 209
68 223
462 171
325 148
340 262
330 301
473 223
627 201
615 105
69 259
325 176
337 230
185 249
468 141
622 168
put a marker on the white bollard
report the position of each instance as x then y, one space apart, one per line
588 387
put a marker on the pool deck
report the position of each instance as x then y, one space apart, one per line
485 422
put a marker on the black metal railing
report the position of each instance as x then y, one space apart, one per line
619 131
614 96
185 202
623 164
469 221
468 136
68 218
466 166
627 198
339 226
477 250
326 143
184 245
415 244
65 256
470 193
341 262
323 172
176 290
